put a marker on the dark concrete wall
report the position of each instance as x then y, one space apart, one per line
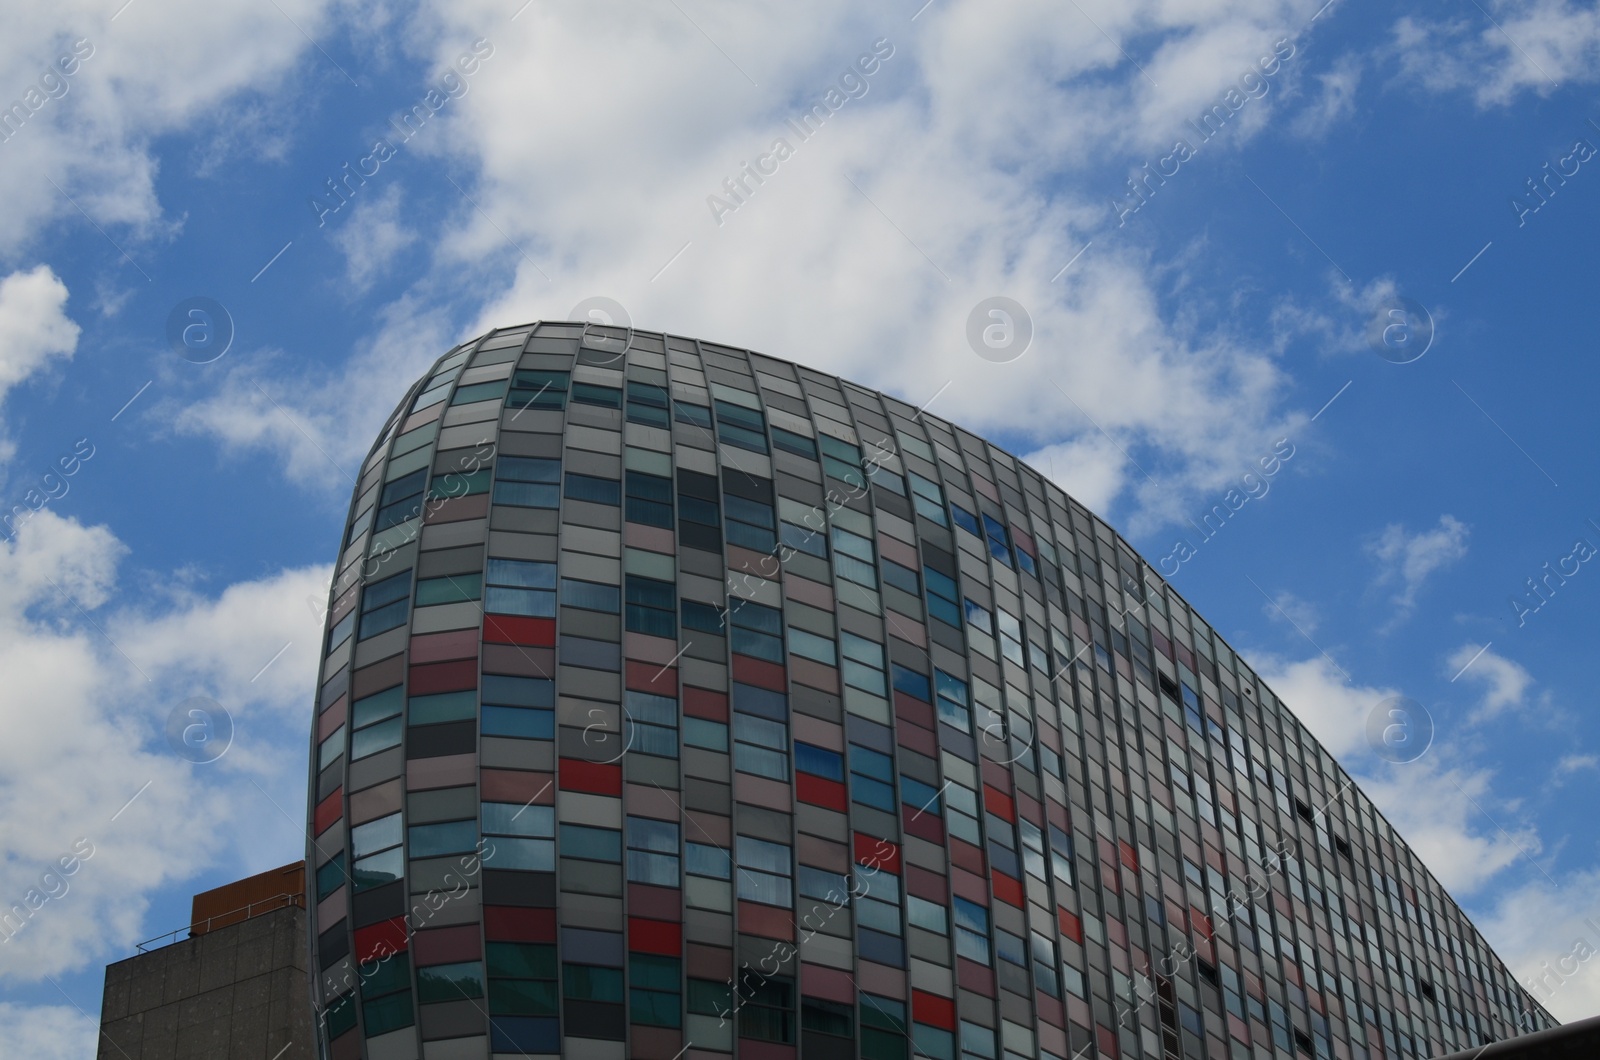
239 992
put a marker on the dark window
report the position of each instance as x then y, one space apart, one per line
798 444
739 426
400 500
596 490
385 604
652 607
525 482
536 389
647 404
593 394
649 499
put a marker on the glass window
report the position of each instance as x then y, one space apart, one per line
451 589
972 930
595 844
520 587
942 597
450 982
537 389
526 482
798 444
653 852
652 607
653 993
609 397
400 500
930 916
593 489
385 604
810 646
818 761
649 499
591 596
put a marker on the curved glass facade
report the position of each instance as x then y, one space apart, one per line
679 701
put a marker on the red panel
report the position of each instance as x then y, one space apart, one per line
443 677
446 945
1071 926
999 803
329 810
966 856
831 984
909 708
760 673
514 785
655 903
922 825
917 739
1130 856
704 703
649 677
926 884
975 977
871 850
512 923
766 921
933 1010
1108 1041
819 791
515 629
596 778
437 647
654 936
1007 889
376 941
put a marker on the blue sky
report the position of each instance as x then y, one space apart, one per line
988 154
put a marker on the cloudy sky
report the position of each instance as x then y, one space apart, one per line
1359 233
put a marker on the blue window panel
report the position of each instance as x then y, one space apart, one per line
591 596
518 691
530 603
902 578
520 574
707 618
871 792
593 489
760 645
759 617
528 469
945 611
593 394
378 706
528 855
595 844
912 683
804 539
924 797
798 444
385 604
515 818
818 761
434 840
701 859
526 495
979 618
965 520
375 835
520 722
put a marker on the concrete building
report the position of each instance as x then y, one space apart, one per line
236 988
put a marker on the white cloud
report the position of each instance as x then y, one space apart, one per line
137 77
34 327
48 1032
1542 930
1287 607
371 237
1335 99
1574 763
88 686
1497 55
1409 558
1433 802
959 175
1504 683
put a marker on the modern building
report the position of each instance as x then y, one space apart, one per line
236 987
680 701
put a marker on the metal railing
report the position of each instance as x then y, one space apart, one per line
283 901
